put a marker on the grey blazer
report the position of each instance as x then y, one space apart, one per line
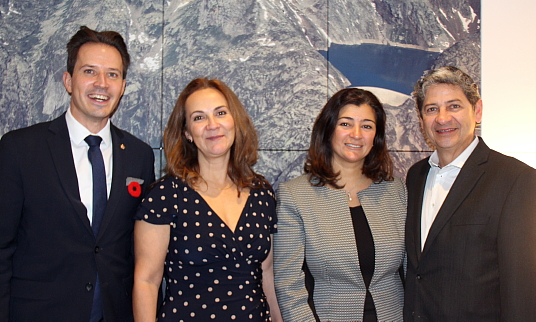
314 223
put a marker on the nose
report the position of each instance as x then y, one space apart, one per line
356 132
101 80
443 116
212 123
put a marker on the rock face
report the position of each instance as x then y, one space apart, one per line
267 51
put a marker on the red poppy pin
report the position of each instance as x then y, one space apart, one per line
134 186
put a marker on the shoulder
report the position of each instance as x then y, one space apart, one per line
130 139
418 166
30 133
387 188
301 182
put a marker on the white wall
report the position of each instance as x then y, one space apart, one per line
509 77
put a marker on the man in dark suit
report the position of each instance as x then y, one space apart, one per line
471 222
67 203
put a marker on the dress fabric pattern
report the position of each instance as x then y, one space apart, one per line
211 272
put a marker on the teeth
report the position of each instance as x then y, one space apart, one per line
354 146
447 130
99 97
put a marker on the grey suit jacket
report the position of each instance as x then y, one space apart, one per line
479 260
314 223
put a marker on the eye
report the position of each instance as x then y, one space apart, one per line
198 117
368 126
344 124
113 75
88 71
221 113
430 110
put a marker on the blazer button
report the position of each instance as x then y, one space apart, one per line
418 277
97 249
89 287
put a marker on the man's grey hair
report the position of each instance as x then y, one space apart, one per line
445 75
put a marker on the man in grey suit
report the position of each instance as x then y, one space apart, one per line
471 222
69 189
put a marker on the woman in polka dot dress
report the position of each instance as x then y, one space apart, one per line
207 225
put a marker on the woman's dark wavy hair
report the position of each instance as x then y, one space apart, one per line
181 155
377 166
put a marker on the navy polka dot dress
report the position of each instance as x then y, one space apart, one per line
212 273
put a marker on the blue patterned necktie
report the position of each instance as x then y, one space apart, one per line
100 197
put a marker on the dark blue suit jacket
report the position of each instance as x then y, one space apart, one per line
49 257
479 260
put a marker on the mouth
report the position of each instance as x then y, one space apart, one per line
99 97
445 131
215 137
353 145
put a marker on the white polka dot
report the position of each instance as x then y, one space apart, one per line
163 198
185 303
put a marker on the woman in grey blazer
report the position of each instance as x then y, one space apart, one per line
341 224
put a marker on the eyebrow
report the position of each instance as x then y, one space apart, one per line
351 119
216 109
108 68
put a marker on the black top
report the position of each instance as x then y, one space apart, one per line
365 250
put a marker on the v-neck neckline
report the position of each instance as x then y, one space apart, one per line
218 216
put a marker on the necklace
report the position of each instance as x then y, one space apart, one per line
349 193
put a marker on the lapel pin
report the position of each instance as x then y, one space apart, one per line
122 146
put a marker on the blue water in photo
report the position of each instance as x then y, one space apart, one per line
384 66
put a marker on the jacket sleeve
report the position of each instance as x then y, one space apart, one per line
289 256
517 250
11 203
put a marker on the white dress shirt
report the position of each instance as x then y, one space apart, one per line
79 147
438 184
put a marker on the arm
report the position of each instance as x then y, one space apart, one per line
289 256
268 286
150 248
11 205
517 250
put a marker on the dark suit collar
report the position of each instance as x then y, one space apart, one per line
465 182
60 148
419 183
120 160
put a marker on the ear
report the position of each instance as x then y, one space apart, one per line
188 136
67 82
124 86
478 111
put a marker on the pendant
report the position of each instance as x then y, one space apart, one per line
349 195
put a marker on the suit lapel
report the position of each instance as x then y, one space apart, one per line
463 185
60 148
118 177
418 183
